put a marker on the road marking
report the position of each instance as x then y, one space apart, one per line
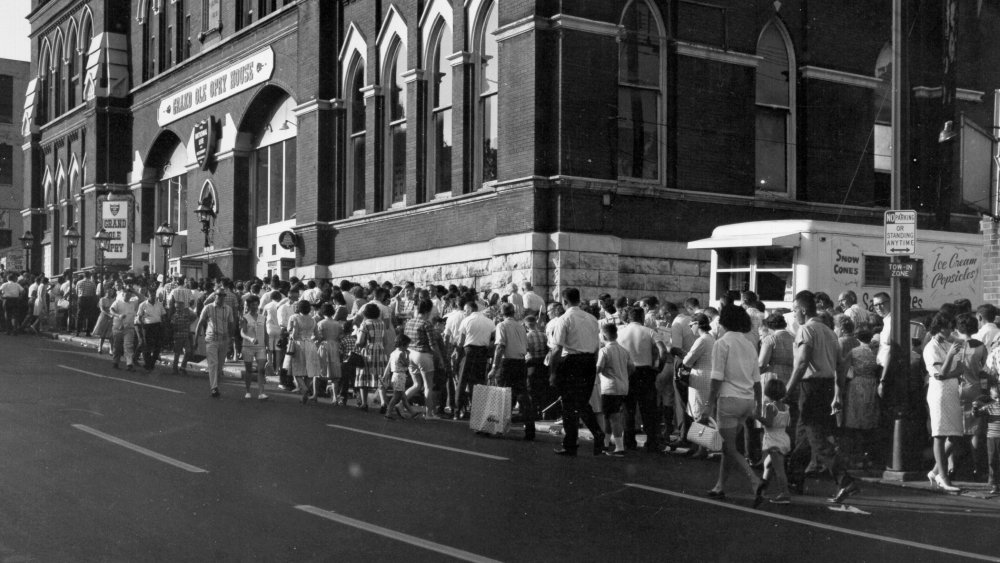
76 352
387 437
122 379
392 534
761 513
849 509
140 449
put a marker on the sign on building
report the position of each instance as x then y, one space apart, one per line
114 219
900 232
204 142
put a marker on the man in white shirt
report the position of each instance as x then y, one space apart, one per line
472 350
574 359
533 304
516 300
849 302
883 308
123 327
640 342
989 333
149 318
11 292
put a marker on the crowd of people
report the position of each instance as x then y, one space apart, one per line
793 393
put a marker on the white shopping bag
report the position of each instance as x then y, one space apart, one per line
490 409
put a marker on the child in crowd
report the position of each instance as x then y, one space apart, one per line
348 366
991 411
776 443
181 323
396 370
254 333
614 367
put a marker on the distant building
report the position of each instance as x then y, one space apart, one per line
483 141
13 79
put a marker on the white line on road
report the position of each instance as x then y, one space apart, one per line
123 380
392 534
140 449
387 437
761 513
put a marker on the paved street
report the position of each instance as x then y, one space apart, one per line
106 465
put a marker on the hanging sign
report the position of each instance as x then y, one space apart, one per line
204 142
114 219
287 240
229 81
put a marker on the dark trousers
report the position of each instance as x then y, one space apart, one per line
150 343
993 455
514 374
813 433
542 394
576 383
11 308
87 313
642 397
474 365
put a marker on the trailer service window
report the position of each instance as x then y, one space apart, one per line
765 270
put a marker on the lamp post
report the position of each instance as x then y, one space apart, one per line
166 236
27 241
72 236
102 239
205 213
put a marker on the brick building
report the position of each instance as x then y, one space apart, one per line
481 141
13 77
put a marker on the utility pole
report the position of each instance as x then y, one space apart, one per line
898 375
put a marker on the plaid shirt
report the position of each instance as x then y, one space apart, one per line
86 288
537 347
423 336
348 344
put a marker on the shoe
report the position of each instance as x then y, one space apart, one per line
390 417
758 493
848 490
781 499
115 365
717 495
129 368
305 398
248 396
995 490
599 444
382 409
363 408
944 486
215 393
614 453
262 397
565 452
932 477
796 487
184 371
529 437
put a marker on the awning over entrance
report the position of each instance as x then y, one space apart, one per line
740 241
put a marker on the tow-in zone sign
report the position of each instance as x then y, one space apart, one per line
900 232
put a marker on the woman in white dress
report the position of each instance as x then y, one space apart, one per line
699 362
941 360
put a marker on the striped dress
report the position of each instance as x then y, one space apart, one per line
373 352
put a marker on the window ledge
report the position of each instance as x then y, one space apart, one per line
765 194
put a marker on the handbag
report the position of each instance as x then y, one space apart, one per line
293 347
705 435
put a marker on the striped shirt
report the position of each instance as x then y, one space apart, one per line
992 413
86 288
536 345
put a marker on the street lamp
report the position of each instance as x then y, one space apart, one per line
166 236
102 239
205 213
27 241
72 236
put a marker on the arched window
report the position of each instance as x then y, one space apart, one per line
640 93
166 34
171 191
275 167
356 129
56 86
395 146
72 68
86 34
149 52
44 64
182 25
775 97
486 86
439 141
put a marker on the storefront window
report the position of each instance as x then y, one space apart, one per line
764 270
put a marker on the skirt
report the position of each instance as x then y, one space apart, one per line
102 328
329 360
305 361
945 408
375 362
861 411
698 388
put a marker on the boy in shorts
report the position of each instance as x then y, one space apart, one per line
254 333
614 367
396 371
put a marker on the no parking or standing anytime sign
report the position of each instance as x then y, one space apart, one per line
900 232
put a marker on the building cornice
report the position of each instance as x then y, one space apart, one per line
706 52
839 77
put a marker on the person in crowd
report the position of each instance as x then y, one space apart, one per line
533 303
819 372
573 361
972 385
882 304
123 312
87 304
396 371
181 321
424 353
149 319
253 330
371 342
275 355
989 410
217 321
304 364
776 355
11 293
509 366
697 363
752 304
328 333
775 443
735 394
39 297
642 345
942 360
102 328
538 373
861 404
824 304
474 335
988 333
848 302
615 368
